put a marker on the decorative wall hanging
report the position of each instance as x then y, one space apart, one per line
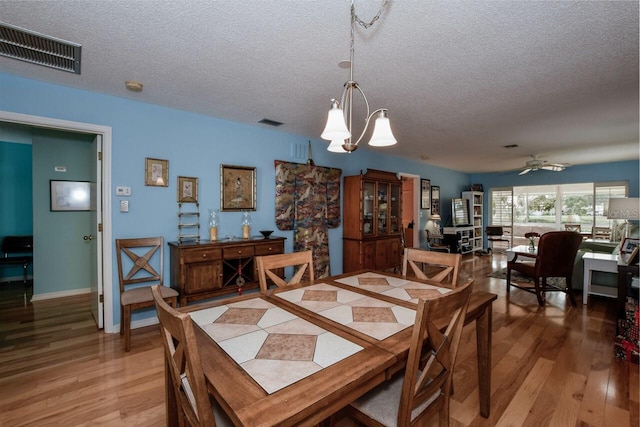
237 188
308 202
435 200
187 189
425 194
156 172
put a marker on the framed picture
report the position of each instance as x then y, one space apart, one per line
156 172
629 245
237 188
187 189
435 200
72 195
425 194
633 257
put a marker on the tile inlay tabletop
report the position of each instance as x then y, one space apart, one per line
275 347
396 287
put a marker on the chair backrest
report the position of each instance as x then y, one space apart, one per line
494 231
183 358
16 245
573 227
137 255
268 264
418 259
556 253
601 233
433 383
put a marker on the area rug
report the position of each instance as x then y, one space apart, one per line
519 278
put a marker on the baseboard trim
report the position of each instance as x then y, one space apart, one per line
61 294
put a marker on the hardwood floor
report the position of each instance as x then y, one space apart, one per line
551 366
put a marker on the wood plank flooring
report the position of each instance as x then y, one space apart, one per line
552 366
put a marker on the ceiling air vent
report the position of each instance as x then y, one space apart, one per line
29 46
270 122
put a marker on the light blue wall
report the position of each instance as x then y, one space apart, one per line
195 145
60 255
15 195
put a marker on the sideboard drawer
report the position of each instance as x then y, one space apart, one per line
238 252
269 248
201 255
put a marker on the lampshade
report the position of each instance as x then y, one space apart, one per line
336 128
624 208
336 146
382 135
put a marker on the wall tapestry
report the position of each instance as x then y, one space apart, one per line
308 202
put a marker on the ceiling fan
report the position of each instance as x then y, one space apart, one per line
537 164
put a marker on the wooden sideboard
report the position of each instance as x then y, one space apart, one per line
208 269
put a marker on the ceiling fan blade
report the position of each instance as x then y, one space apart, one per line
525 171
555 167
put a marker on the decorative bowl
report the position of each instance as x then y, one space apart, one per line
266 233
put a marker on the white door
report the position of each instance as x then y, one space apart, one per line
94 238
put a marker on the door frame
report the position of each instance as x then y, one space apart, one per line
416 206
105 132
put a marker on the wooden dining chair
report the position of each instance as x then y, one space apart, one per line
271 267
601 233
409 398
183 361
555 258
447 265
138 256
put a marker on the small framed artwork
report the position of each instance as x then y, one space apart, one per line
425 194
156 172
629 245
187 189
72 196
237 188
633 257
435 200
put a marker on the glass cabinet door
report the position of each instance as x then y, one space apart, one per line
383 213
394 209
368 197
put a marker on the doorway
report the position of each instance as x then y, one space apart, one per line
410 209
103 285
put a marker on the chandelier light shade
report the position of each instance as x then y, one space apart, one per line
339 127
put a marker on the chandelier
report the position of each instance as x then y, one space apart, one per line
338 129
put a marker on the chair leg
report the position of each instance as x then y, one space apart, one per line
127 328
121 319
539 290
508 280
569 291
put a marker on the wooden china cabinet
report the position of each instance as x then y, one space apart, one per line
372 221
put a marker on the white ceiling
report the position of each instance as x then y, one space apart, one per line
461 79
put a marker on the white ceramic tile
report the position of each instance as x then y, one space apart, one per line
272 375
292 295
341 314
370 302
317 306
224 331
398 293
345 296
404 315
207 315
274 316
331 348
296 326
244 347
378 330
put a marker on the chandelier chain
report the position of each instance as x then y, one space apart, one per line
366 25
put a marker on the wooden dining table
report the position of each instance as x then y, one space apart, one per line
297 355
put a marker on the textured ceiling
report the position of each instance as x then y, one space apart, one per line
461 79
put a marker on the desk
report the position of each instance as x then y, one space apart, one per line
321 393
594 261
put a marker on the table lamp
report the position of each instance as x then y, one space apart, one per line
627 208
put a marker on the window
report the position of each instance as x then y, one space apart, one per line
543 208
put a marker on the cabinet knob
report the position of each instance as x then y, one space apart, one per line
204 255
239 252
270 249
